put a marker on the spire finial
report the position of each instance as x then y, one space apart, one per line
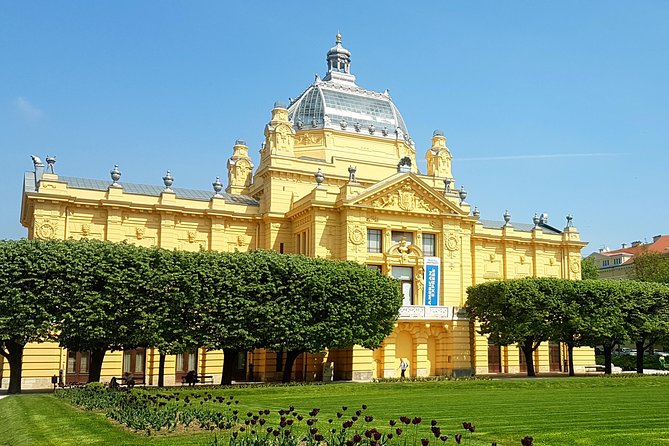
339 63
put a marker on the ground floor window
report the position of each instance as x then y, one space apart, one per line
77 366
186 362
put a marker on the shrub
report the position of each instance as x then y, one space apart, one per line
95 387
628 362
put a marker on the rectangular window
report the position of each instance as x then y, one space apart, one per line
405 275
71 362
605 262
429 245
134 362
139 361
376 268
374 238
127 358
83 364
399 235
616 261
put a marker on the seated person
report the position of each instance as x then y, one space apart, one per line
191 378
129 380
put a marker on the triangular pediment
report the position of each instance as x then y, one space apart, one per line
405 192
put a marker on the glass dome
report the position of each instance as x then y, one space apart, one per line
338 103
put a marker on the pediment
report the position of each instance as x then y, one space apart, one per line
406 192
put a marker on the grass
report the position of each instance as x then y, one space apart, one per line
617 411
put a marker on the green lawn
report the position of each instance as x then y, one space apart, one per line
555 411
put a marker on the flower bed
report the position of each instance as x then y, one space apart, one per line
152 411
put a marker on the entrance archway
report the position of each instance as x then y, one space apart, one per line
404 349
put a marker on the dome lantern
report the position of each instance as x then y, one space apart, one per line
339 63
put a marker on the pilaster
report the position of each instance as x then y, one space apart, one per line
421 366
362 364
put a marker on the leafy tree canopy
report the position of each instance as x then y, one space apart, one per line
652 267
589 269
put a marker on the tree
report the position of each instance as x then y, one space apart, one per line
338 304
647 315
231 291
302 304
289 300
589 269
513 311
652 267
601 315
171 300
29 290
569 319
103 309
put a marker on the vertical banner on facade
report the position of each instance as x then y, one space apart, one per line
432 267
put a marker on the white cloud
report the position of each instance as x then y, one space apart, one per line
532 157
28 111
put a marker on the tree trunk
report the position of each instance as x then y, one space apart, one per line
291 356
607 359
15 359
95 369
161 370
229 361
639 356
570 352
529 360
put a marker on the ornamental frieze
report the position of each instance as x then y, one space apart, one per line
308 139
405 199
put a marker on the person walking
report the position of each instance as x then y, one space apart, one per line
404 365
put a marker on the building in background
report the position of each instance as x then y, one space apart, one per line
337 178
618 264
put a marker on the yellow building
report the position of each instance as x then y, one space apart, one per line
337 178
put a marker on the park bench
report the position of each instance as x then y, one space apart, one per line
204 379
597 368
121 381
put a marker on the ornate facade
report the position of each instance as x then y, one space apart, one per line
337 178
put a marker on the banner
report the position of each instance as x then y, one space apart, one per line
432 268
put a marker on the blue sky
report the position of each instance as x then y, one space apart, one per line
558 107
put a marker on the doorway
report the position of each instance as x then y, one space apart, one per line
554 360
134 363
77 366
494 358
185 362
